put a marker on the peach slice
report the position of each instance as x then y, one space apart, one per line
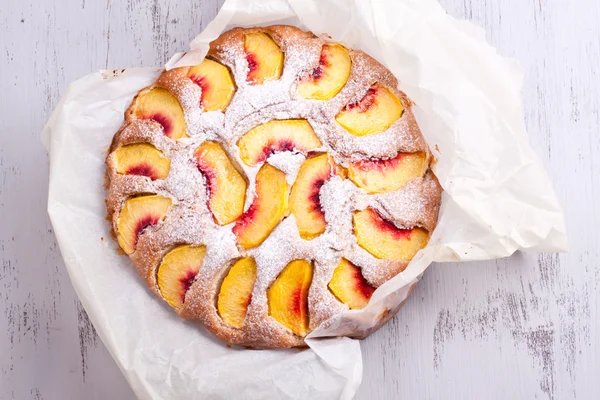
385 240
236 292
304 196
226 186
288 296
177 272
142 159
137 214
160 106
330 76
266 211
374 113
378 176
216 83
265 58
349 285
277 135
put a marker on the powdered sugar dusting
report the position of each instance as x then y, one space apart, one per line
288 162
410 205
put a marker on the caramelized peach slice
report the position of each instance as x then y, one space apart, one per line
385 240
177 272
304 196
137 214
374 113
236 292
378 176
266 211
226 187
288 296
215 81
330 76
160 106
277 135
265 59
349 285
142 159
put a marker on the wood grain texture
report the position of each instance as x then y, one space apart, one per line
522 328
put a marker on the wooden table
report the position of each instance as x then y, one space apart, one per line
519 328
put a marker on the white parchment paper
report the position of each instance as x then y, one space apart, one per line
497 199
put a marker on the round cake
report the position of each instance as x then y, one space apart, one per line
272 187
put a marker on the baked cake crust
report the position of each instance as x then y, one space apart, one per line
189 220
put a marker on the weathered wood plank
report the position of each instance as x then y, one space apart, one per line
525 327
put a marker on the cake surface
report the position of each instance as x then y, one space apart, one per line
272 187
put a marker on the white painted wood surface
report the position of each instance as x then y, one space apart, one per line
522 328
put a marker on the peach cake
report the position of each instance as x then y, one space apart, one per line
271 187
